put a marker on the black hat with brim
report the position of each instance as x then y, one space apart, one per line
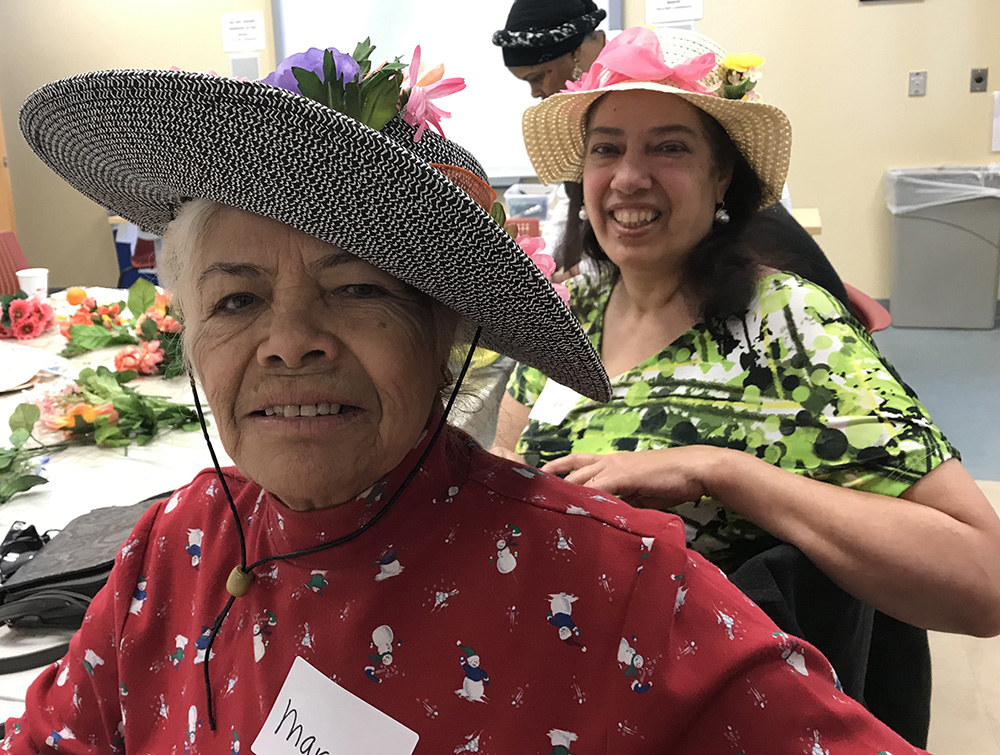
141 143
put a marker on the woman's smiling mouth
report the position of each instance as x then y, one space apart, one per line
634 218
305 410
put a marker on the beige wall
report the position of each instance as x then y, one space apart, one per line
839 69
48 39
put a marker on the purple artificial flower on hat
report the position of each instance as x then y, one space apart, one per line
312 60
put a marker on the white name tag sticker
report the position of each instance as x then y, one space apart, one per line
316 716
554 403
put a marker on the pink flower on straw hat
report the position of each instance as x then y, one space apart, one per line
635 55
420 111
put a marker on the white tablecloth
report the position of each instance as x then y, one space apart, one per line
82 478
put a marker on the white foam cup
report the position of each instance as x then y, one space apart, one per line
34 281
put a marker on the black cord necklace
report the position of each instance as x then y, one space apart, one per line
241 578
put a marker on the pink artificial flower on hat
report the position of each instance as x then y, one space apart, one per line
635 55
534 247
420 111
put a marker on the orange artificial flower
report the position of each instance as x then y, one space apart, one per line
86 412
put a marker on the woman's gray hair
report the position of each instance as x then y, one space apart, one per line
180 243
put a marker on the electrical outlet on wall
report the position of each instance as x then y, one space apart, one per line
978 79
918 83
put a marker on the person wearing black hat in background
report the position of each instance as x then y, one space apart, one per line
549 42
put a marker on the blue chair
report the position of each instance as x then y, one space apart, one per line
136 260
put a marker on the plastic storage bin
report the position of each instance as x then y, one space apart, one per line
529 201
945 246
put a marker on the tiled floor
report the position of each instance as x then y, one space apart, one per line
965 705
956 373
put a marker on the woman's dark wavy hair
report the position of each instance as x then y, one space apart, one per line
721 269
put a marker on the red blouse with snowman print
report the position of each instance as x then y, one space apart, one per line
492 609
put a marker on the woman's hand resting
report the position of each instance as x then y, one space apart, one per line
652 479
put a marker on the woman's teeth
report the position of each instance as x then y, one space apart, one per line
634 218
303 410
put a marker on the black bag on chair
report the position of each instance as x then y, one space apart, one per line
54 589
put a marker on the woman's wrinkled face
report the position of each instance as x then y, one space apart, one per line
321 370
650 180
545 79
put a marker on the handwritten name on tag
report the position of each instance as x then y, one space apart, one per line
316 716
554 403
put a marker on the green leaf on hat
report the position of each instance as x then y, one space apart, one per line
352 101
362 53
379 98
310 84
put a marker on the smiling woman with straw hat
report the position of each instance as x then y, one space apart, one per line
378 583
734 383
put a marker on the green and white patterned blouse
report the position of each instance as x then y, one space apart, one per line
797 381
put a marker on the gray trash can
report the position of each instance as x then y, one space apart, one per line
945 246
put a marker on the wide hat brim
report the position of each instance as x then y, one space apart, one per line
555 129
141 143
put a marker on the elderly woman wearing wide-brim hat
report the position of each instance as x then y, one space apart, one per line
745 388
366 579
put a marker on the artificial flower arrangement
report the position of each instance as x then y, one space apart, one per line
97 408
152 339
24 317
159 334
94 326
349 84
740 74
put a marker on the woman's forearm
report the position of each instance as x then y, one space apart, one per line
930 558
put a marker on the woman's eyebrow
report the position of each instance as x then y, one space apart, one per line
607 131
239 269
673 128
334 259
669 128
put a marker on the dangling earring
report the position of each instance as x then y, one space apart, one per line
583 213
721 214
577 71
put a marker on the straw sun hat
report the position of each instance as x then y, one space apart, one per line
554 130
143 142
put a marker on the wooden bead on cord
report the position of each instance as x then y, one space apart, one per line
239 581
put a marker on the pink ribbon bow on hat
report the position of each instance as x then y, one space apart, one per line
635 55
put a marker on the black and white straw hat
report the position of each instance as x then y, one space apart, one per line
141 143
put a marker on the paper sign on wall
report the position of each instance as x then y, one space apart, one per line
243 32
673 11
